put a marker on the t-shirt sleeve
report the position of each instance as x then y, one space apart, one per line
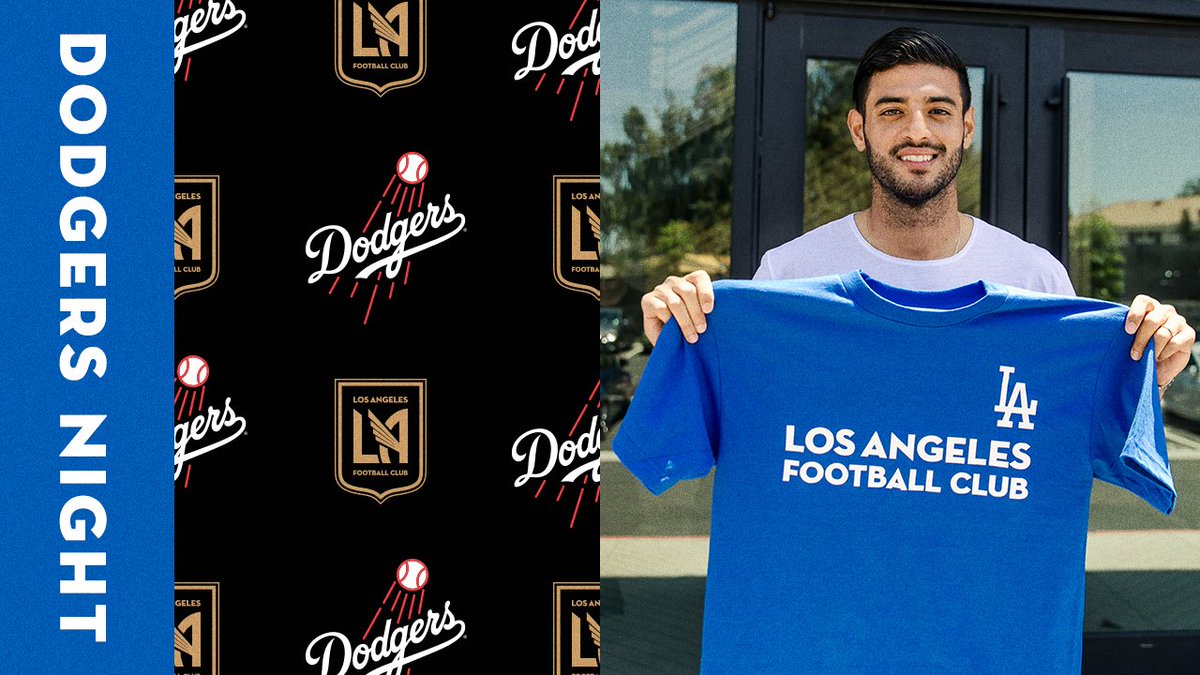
671 430
1128 445
764 271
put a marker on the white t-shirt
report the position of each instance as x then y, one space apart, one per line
990 254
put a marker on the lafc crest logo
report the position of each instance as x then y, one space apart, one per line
576 628
1014 401
196 629
380 448
197 245
380 44
577 233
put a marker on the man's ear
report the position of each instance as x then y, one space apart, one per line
854 120
968 127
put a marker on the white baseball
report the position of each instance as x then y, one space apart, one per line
412 575
192 371
412 168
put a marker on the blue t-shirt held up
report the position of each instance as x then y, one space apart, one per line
902 477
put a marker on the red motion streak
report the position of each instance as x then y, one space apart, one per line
577 501
390 289
560 491
407 265
560 84
597 92
539 491
572 433
389 593
402 604
576 102
187 69
377 205
410 609
396 599
539 84
422 601
396 193
187 477
335 280
577 13
192 403
389 187
370 304
364 637
594 390
352 290
410 197
177 393
202 388
180 8
421 196
597 494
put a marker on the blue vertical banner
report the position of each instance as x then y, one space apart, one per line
86 325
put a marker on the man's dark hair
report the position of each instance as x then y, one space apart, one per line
903 46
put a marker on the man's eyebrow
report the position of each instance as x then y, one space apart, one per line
928 99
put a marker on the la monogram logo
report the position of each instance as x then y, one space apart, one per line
382 47
1013 402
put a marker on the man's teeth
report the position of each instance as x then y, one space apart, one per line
916 158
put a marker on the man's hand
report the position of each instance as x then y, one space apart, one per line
1173 337
687 299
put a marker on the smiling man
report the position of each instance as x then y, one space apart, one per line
913 118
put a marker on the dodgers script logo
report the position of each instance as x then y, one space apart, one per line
577 233
576 628
380 450
572 462
198 25
379 45
199 430
386 252
401 641
197 636
1015 402
571 52
197 232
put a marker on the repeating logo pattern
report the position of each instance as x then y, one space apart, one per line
379 46
571 463
197 232
381 443
576 628
572 54
197 634
367 259
198 429
577 233
203 25
401 640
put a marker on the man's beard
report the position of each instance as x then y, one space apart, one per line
912 194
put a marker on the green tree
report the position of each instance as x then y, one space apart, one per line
680 171
1190 188
1098 267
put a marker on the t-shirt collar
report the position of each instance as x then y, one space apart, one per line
923 308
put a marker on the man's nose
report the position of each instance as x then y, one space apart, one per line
918 129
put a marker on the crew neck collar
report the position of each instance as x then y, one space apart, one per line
923 308
936 262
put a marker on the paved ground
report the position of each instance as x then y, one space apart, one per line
1143 568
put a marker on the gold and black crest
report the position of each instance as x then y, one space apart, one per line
381 429
197 233
576 628
577 233
197 637
379 44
